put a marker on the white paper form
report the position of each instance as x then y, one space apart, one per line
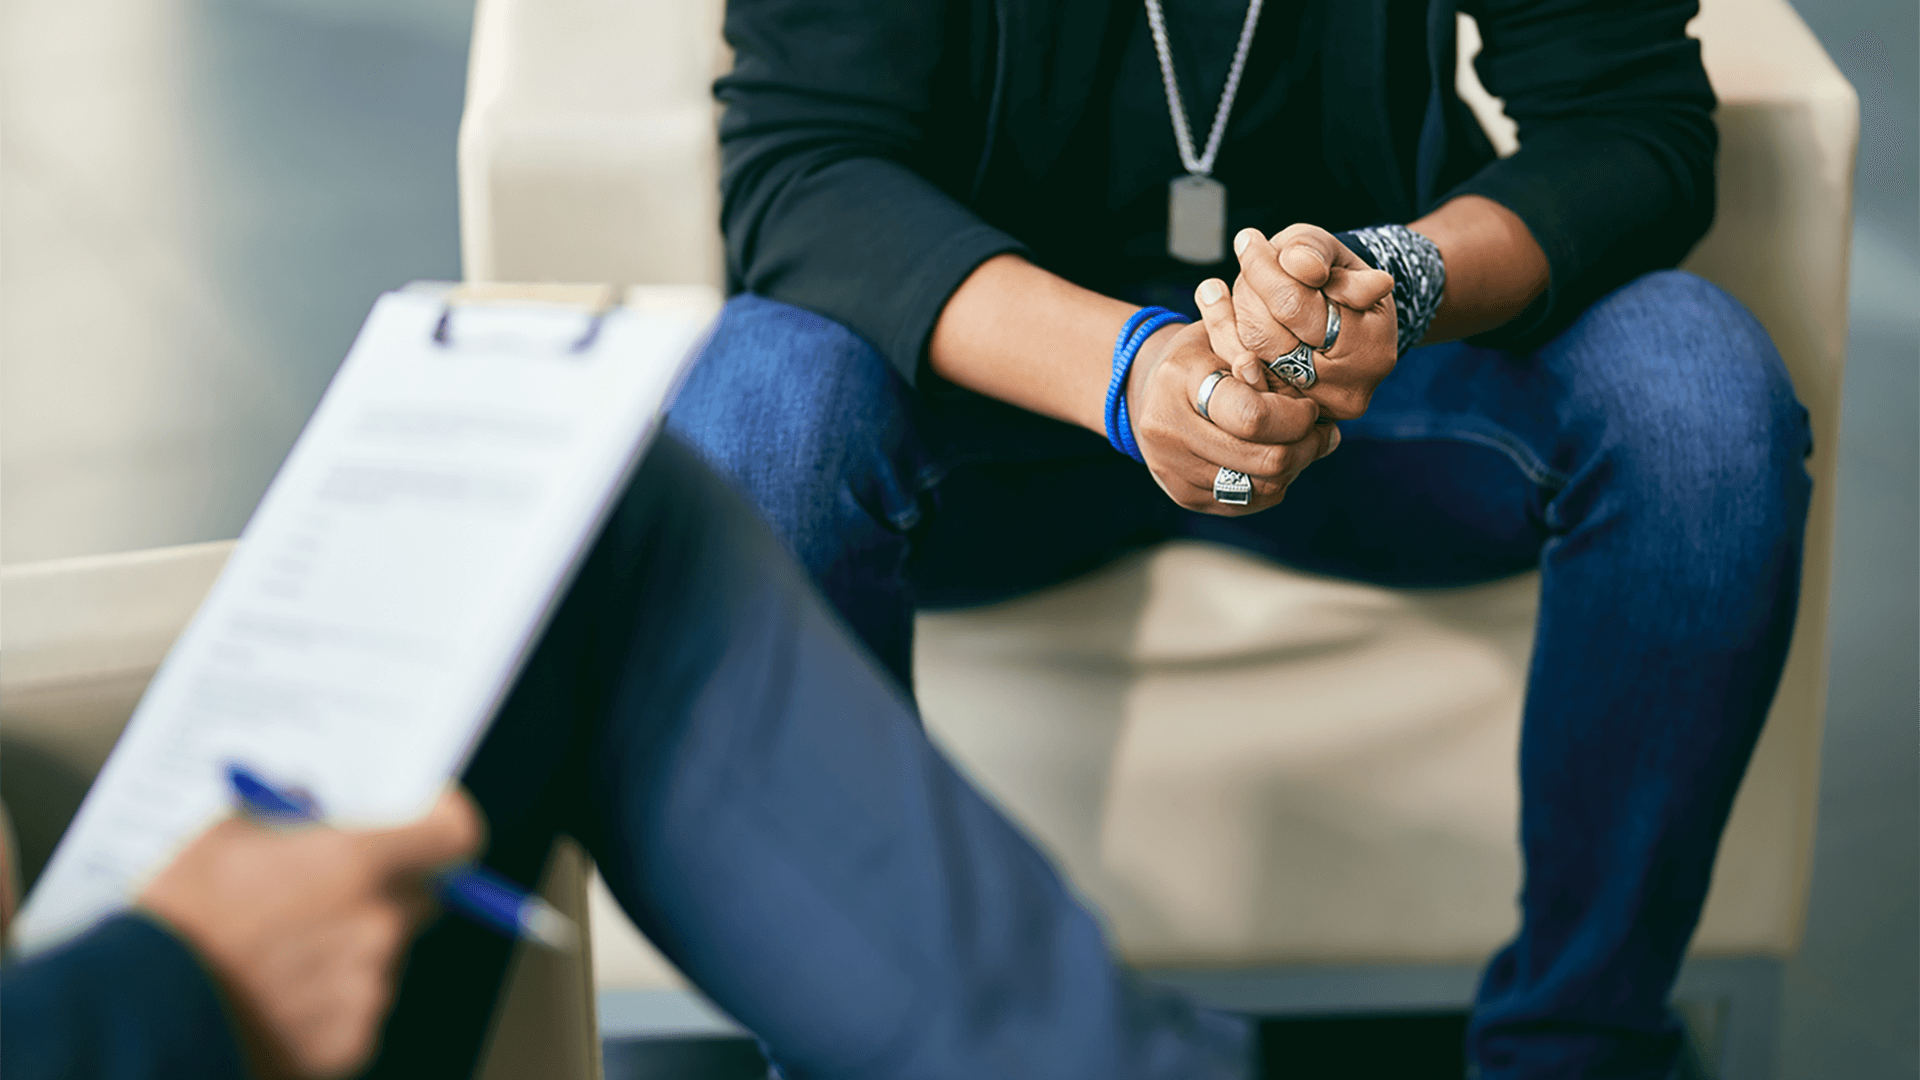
386 589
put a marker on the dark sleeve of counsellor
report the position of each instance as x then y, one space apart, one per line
826 201
1615 172
125 1001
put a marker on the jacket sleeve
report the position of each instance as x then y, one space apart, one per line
1615 172
125 1001
826 198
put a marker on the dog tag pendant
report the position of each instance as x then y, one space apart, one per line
1197 220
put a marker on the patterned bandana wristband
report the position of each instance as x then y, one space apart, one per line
1419 275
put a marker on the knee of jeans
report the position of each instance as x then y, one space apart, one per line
1695 405
789 404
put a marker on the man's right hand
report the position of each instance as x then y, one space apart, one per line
1271 436
1015 332
306 928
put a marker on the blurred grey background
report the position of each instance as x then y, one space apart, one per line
199 200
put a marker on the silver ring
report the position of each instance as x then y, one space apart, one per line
1207 386
1232 488
1296 367
1333 327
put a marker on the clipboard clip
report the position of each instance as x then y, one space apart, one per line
593 301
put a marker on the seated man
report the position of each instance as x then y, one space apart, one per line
764 804
953 224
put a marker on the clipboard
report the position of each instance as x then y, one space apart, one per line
395 575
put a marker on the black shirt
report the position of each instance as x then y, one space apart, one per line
1100 217
873 152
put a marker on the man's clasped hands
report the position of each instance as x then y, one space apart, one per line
1256 423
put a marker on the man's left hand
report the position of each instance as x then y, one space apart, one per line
1281 300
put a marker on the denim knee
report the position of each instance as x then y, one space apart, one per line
779 386
808 420
1684 402
1689 391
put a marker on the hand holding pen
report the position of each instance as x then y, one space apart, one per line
304 929
472 891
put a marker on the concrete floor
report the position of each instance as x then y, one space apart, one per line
200 198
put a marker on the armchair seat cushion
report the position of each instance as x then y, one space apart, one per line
1241 764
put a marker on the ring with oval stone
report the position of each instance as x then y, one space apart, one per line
1296 367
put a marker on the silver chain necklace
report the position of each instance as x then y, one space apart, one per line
1196 202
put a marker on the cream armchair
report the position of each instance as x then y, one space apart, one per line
1355 849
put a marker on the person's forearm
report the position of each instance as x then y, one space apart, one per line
131 978
1495 268
1015 332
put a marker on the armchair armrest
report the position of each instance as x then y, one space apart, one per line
1789 127
587 149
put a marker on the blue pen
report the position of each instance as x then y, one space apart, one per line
478 893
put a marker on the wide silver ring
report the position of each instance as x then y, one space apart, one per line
1333 327
1207 386
1232 488
1296 367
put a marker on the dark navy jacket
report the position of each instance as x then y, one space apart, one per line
126 1001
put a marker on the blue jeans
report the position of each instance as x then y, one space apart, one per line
1648 461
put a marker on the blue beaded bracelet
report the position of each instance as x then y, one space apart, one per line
1142 325
1119 424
